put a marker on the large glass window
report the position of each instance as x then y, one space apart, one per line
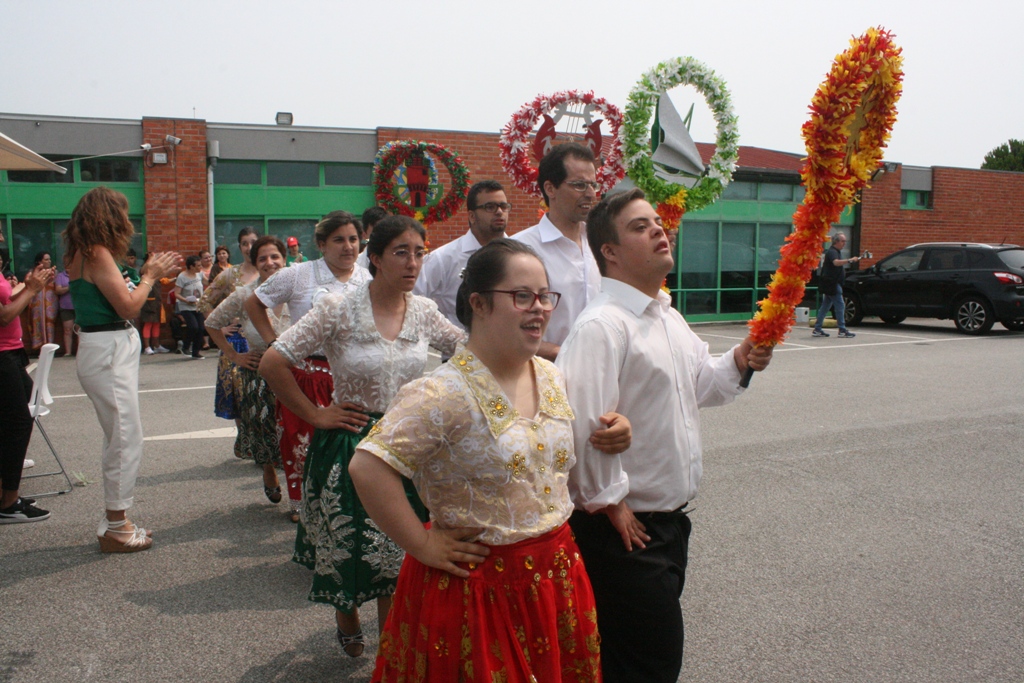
293 174
238 173
740 190
110 170
770 239
226 233
45 176
737 266
348 174
776 192
698 261
301 229
29 236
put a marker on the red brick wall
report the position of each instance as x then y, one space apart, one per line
480 153
968 205
176 202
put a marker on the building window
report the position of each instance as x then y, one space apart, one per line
776 192
225 231
238 173
348 174
740 190
915 199
293 174
300 228
110 170
45 176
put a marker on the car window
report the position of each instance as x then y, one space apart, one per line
945 259
902 262
1014 258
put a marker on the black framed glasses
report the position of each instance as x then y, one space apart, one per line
523 299
492 207
583 185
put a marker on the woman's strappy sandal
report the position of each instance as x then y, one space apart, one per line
354 644
136 540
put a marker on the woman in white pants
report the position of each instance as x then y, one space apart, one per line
95 241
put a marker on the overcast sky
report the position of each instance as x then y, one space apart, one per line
470 65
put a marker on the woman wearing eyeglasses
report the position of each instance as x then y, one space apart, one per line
494 587
375 339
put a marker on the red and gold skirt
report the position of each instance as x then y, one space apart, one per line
525 615
313 376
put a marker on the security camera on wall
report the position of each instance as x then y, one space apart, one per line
171 140
145 146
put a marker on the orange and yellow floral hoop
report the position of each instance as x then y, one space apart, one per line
852 115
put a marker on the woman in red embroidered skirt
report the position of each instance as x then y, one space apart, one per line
494 587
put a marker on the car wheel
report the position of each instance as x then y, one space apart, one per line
892 319
973 315
1015 325
853 314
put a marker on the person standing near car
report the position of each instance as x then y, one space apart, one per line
833 274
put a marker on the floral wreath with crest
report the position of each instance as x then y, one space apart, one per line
515 146
393 155
671 199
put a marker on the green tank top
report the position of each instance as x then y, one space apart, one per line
91 307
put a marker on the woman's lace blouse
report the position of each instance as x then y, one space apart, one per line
368 369
233 308
475 461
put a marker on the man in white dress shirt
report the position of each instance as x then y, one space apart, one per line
629 351
567 176
441 275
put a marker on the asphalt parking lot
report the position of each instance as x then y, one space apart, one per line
859 520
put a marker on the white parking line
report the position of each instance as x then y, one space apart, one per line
146 391
853 345
221 433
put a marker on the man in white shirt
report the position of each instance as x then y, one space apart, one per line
441 275
629 351
567 176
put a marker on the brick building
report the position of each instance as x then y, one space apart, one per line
281 179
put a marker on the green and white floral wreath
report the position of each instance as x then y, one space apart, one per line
672 199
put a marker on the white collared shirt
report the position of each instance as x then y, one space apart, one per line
636 355
441 274
572 272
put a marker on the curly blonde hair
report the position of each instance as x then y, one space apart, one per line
100 218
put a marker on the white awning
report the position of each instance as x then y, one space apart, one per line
17 157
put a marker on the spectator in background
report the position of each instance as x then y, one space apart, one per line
188 288
65 311
371 217
15 389
222 262
205 266
128 270
294 255
833 275
43 309
152 318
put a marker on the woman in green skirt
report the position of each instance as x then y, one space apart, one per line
375 338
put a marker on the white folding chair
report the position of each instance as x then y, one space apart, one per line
37 407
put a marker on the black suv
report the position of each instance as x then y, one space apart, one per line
974 284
